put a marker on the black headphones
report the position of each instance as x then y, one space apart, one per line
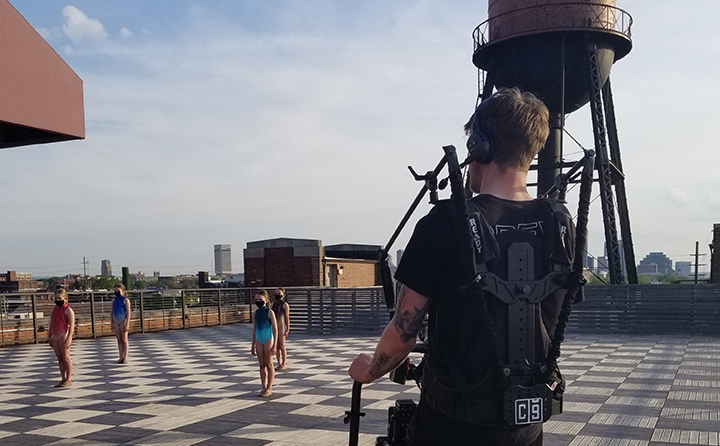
479 143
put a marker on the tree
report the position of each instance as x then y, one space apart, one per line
167 282
51 282
189 283
103 282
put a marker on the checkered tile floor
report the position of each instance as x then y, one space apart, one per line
199 387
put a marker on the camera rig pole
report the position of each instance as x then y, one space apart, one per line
431 186
353 415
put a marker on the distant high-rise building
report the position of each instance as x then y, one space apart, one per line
683 269
399 255
590 262
223 264
655 263
602 266
105 268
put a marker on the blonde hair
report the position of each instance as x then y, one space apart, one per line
62 293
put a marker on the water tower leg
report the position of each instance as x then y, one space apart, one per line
550 157
623 213
604 169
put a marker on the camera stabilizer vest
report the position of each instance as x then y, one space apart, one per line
530 387
529 397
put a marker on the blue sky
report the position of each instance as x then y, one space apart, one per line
232 121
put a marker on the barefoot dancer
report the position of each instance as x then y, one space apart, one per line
263 343
120 321
62 322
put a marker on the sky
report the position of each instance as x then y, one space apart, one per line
227 121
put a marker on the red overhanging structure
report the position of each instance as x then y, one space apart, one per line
41 97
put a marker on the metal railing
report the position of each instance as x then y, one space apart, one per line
25 317
598 17
634 309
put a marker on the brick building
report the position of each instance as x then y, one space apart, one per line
290 262
14 282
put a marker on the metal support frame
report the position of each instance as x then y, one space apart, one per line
604 169
619 183
34 312
219 297
92 314
184 310
142 312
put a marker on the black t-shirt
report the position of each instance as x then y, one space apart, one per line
430 267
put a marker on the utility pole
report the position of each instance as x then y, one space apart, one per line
697 260
697 247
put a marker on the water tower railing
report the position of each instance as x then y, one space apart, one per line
534 19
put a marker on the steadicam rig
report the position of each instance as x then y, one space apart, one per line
522 404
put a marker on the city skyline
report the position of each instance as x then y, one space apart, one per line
230 121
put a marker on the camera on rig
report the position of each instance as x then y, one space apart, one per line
399 417
401 414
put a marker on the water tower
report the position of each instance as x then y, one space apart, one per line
563 52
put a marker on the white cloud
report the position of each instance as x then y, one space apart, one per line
676 196
46 33
78 26
124 32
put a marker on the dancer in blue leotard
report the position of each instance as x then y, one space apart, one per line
263 343
120 321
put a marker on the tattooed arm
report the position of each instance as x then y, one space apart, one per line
397 341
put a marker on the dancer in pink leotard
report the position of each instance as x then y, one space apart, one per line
62 323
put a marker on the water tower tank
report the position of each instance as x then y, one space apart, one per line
533 44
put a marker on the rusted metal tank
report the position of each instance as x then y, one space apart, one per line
536 44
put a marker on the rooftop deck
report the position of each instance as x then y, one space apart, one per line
199 387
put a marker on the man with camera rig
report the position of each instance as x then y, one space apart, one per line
463 395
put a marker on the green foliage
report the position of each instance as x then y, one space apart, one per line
51 282
78 285
103 282
138 285
167 282
643 279
189 283
670 277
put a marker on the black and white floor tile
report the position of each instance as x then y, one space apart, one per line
199 387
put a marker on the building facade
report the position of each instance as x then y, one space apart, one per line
13 282
223 260
683 269
105 268
655 263
289 262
